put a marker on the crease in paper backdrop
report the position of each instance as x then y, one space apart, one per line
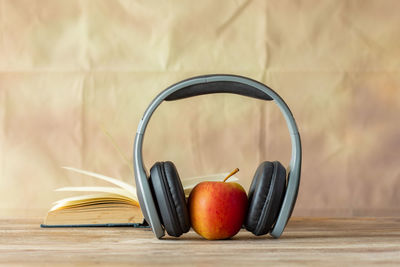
67 67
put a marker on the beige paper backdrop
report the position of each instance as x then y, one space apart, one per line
68 68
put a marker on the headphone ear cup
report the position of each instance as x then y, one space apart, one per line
170 198
265 197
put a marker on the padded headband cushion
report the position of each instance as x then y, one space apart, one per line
265 197
170 197
218 87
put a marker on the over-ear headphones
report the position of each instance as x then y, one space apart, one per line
271 197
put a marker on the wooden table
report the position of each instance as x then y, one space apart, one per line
314 241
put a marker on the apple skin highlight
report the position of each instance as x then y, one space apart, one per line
217 209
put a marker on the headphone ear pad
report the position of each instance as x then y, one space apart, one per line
170 197
265 197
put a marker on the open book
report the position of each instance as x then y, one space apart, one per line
106 206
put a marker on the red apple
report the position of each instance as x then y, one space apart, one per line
217 209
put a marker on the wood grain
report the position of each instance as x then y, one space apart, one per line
312 241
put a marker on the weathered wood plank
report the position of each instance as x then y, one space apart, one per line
312 241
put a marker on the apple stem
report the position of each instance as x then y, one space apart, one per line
232 173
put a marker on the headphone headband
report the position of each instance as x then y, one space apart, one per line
210 84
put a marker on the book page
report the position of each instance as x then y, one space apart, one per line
121 184
103 189
91 200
